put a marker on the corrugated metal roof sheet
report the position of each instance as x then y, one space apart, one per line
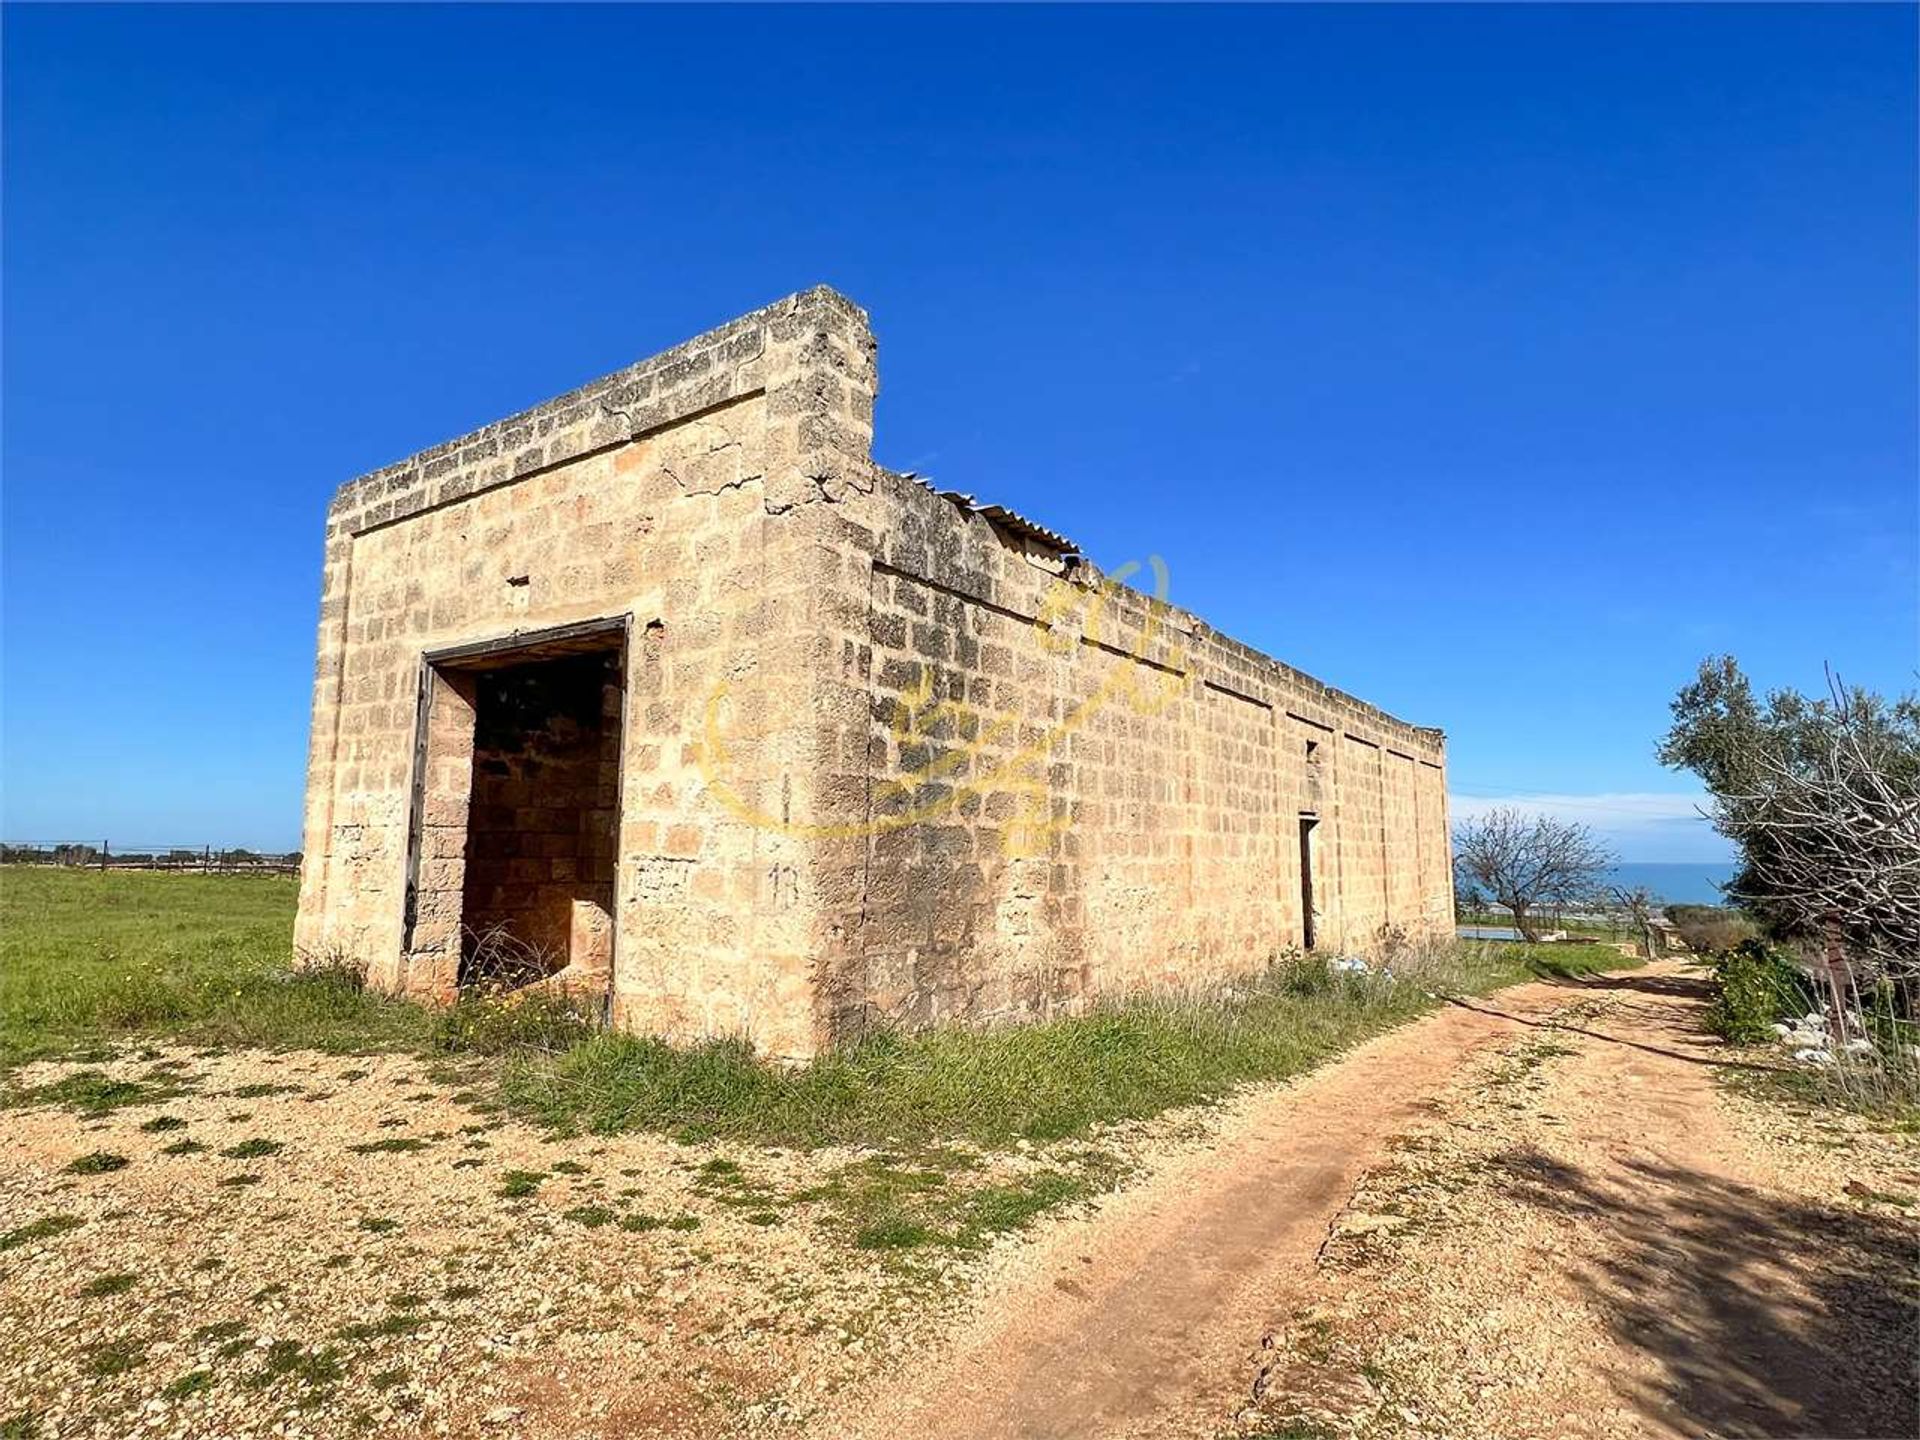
999 515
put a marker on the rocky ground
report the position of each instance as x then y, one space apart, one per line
303 1244
1543 1214
1595 1235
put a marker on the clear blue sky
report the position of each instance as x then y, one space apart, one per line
1493 363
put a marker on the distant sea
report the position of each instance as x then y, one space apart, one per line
1676 884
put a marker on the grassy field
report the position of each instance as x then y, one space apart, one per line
87 959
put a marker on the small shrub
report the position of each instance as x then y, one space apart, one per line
378 1224
1710 929
591 1216
182 1147
115 1284
159 1124
1304 973
392 1145
100 1162
1756 987
517 1184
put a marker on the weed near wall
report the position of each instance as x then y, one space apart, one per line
1039 1082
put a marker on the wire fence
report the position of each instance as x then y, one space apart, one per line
112 855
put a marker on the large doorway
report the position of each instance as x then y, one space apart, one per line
541 821
517 811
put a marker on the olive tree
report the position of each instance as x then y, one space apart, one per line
1525 860
1822 796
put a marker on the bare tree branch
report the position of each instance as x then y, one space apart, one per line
1525 860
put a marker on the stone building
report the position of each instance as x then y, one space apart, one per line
670 683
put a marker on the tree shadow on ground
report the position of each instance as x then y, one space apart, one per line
1763 1316
1686 987
1711 1051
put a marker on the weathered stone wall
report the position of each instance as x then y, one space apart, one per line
1065 789
884 759
678 493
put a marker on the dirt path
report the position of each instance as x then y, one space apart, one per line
1691 1304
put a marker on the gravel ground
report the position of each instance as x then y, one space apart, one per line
1593 1236
1570 1228
370 1275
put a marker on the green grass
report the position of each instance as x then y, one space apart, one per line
45 1228
888 1203
114 1357
518 1184
254 1149
1036 1082
290 1361
399 1322
191 1383
392 1145
87 956
93 1092
100 1162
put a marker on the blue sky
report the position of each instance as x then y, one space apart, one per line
1493 363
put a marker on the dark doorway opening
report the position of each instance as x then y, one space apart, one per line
543 815
1308 823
